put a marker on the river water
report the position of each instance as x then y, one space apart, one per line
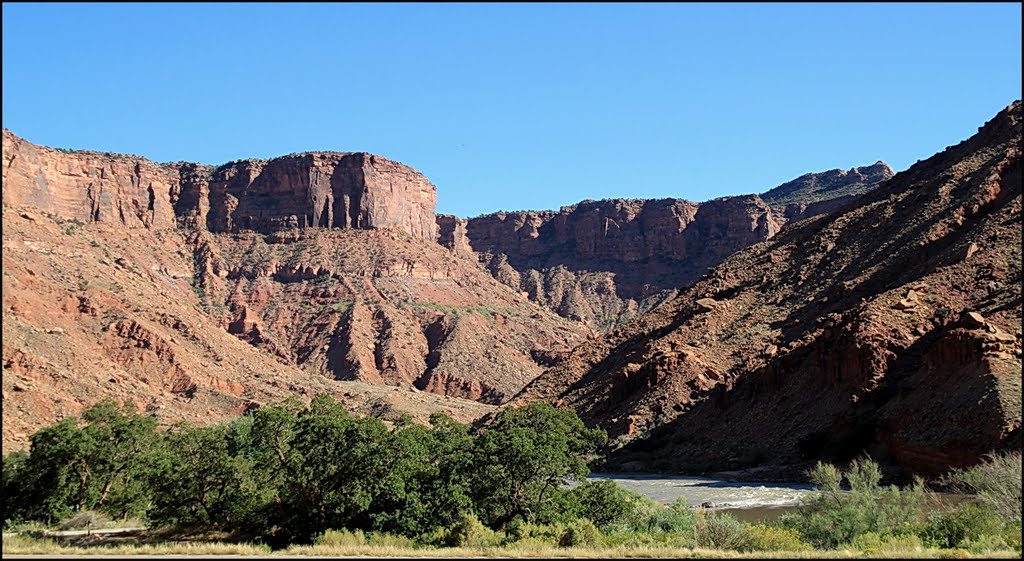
747 501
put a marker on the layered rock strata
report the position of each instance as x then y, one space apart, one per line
601 262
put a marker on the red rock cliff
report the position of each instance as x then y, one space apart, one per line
89 186
327 190
603 261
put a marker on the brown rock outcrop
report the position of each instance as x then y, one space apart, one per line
378 308
806 354
451 233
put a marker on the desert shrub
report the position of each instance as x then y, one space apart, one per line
873 542
834 517
580 532
384 539
519 531
996 482
604 502
341 538
722 531
470 532
1012 535
775 538
437 537
523 536
985 543
651 517
86 520
962 525
653 524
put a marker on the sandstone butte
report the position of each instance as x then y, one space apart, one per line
891 326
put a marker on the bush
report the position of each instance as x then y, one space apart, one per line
580 532
384 539
996 482
722 531
775 538
985 543
1012 535
652 517
470 532
874 543
834 517
519 531
86 520
603 502
964 525
341 538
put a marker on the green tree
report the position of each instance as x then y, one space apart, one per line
426 478
524 459
116 455
200 483
18 485
100 466
334 470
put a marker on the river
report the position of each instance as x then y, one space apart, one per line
747 501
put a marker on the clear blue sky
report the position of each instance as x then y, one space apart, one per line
519 106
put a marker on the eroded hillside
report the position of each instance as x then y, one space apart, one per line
892 327
202 291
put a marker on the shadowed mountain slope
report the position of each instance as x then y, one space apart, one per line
892 327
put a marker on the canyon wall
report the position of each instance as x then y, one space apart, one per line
325 190
200 291
601 262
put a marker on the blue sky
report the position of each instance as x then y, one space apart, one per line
519 106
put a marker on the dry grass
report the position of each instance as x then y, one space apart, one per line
23 545
636 552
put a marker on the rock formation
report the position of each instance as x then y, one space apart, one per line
202 290
601 262
316 189
890 327
95 311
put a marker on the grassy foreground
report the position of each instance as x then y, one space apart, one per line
23 545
